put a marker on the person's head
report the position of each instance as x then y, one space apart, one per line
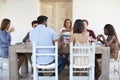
42 20
34 23
5 24
85 23
78 26
109 30
67 23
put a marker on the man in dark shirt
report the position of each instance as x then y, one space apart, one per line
91 32
93 39
26 39
34 25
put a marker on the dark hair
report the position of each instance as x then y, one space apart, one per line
41 19
34 22
110 28
66 21
78 26
4 24
84 20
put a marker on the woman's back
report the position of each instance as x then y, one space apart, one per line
81 40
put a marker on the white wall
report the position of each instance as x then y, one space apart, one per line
98 13
21 13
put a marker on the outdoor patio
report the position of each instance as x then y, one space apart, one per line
62 76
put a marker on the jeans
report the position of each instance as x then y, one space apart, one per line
4 52
61 65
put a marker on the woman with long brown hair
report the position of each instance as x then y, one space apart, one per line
5 41
111 41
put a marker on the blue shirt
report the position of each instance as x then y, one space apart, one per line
43 36
5 40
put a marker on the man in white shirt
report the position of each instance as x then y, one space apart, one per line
44 36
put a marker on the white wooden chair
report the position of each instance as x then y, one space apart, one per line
52 68
116 66
2 62
87 68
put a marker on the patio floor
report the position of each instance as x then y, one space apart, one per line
62 76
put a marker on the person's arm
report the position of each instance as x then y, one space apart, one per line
26 38
93 37
98 39
60 32
5 38
93 40
108 43
72 39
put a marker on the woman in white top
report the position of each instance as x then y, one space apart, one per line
79 37
67 26
65 38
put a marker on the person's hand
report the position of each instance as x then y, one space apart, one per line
63 30
99 36
92 39
60 45
11 30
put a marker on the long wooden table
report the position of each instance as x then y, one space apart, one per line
14 50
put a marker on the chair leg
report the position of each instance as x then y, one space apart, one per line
71 73
1 67
91 74
35 74
119 69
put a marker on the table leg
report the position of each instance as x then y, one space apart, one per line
105 63
24 67
13 64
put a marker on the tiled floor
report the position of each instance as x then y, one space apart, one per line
64 75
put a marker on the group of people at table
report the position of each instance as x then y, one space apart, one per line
44 36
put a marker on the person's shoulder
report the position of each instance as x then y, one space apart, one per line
32 31
73 35
114 37
1 31
62 29
89 30
50 30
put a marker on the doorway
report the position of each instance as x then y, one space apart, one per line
56 11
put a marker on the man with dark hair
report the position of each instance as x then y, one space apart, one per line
91 32
93 39
34 25
44 36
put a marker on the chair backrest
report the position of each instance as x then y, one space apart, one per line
37 54
2 61
83 55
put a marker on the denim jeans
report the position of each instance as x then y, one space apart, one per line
61 65
4 52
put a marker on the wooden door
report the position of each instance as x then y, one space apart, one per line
56 12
